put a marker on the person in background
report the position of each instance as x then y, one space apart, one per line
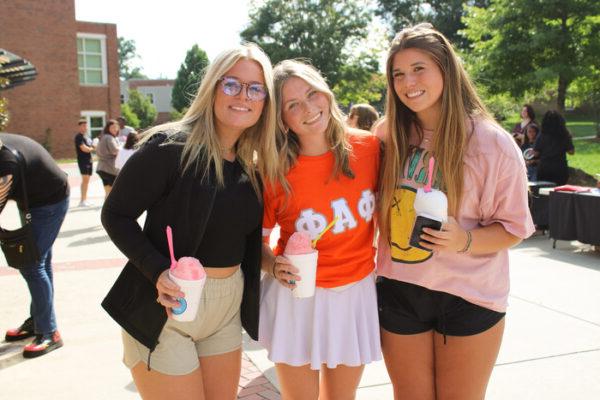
124 130
47 191
551 149
528 153
442 303
127 150
520 129
107 150
362 116
84 149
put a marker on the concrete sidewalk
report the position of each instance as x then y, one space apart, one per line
551 347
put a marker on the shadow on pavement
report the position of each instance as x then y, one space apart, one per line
11 354
93 240
74 232
79 209
574 253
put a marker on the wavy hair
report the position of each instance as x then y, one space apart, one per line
366 115
255 149
288 143
459 102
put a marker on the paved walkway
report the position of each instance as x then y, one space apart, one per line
551 348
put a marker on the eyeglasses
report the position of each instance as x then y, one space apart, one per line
232 87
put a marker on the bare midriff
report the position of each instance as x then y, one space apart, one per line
221 272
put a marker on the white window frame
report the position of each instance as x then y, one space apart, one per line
88 114
102 39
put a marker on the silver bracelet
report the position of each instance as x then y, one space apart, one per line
468 245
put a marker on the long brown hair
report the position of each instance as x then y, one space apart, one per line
287 140
459 103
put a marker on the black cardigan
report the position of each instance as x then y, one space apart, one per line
152 181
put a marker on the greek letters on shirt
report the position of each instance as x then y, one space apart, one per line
313 223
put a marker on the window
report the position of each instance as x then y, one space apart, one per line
96 121
122 99
91 59
150 97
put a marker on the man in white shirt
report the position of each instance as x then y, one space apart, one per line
124 130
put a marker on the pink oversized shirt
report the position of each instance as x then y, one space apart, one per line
495 190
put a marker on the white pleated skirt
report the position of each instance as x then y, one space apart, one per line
332 327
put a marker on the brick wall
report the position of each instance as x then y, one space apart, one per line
106 98
45 33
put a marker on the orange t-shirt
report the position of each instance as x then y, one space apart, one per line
346 252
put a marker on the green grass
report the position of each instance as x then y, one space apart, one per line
578 126
586 157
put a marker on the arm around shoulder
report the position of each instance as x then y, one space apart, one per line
138 187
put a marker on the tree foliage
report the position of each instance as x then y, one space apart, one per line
131 118
326 32
360 84
444 15
128 53
141 106
520 45
188 77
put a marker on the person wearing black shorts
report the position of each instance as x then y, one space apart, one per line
84 148
453 200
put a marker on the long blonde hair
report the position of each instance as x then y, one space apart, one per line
459 103
288 143
255 149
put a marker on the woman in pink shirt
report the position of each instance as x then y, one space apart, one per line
442 299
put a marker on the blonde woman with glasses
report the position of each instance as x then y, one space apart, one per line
201 176
320 344
443 295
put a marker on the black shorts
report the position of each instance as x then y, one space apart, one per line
408 309
107 179
85 167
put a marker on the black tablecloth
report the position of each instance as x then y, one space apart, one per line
574 216
538 205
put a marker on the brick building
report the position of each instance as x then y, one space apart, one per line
78 71
158 92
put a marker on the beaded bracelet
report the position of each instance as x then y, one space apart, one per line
274 264
468 245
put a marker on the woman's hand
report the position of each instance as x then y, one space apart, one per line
451 238
168 292
285 272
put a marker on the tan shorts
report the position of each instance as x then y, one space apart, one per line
217 329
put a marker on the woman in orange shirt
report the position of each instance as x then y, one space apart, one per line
320 344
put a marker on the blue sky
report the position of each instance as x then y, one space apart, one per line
164 30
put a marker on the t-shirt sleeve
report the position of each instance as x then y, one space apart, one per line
509 202
78 140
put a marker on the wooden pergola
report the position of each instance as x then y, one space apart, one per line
14 70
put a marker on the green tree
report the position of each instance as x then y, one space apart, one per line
131 118
444 15
189 77
520 45
326 32
128 53
141 106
